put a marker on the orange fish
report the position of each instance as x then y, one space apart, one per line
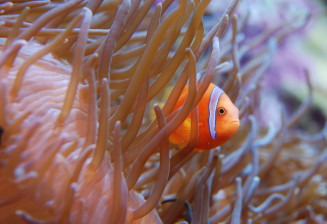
218 120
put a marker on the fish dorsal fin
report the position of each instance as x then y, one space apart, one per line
213 103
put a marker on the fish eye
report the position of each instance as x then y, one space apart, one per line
221 111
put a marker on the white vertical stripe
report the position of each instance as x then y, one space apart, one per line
213 103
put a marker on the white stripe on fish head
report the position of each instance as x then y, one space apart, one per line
213 103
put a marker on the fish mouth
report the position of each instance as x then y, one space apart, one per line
234 125
235 122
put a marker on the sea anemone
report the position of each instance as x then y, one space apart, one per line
87 92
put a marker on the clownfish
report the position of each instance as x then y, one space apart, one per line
218 120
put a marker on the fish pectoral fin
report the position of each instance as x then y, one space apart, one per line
182 135
187 127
